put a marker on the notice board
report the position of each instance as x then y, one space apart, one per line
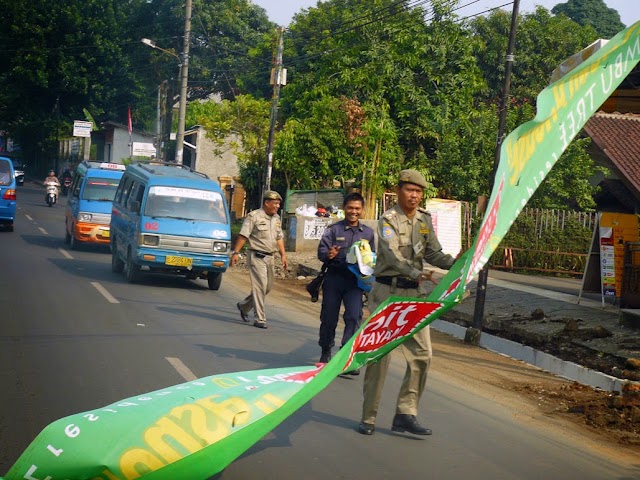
604 271
446 216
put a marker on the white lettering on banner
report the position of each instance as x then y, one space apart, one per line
32 470
72 431
55 451
385 321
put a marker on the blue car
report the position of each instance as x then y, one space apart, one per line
7 193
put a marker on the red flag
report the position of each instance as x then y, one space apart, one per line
130 126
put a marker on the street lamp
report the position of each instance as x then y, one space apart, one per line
152 44
184 74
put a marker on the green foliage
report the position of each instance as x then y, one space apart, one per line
543 41
605 20
417 80
241 125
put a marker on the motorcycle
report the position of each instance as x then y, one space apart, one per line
52 193
66 183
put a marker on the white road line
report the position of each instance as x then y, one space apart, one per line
181 368
28 217
65 253
104 292
44 232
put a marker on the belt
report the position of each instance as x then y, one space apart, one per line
400 282
262 254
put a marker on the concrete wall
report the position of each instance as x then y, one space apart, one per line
116 145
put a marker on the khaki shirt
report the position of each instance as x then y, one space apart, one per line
262 231
405 245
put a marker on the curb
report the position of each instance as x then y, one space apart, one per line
562 368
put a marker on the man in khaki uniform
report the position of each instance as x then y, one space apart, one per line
263 232
406 241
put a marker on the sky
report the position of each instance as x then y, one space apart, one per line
282 11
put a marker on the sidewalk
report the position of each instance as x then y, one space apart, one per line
526 316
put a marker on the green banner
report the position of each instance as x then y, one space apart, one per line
196 429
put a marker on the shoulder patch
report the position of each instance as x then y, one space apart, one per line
387 231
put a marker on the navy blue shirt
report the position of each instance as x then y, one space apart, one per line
344 236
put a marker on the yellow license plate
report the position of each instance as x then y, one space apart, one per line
178 261
105 233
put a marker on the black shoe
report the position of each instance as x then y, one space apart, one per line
325 357
408 423
366 428
244 316
260 324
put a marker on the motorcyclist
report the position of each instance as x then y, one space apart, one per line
66 180
51 179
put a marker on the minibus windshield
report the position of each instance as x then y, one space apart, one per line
100 189
185 203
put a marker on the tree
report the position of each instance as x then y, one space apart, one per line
543 42
605 20
416 80
57 59
241 125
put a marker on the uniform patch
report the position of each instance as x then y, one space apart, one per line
340 239
423 229
387 231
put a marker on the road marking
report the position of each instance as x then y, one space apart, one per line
28 217
104 292
181 368
44 232
65 253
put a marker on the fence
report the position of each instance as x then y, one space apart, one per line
547 241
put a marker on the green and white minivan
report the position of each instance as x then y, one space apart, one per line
168 218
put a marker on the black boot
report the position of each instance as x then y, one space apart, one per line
325 356
408 423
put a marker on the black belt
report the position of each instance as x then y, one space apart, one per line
261 254
400 282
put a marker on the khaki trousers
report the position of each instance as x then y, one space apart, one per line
261 273
417 353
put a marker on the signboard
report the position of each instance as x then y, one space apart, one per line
141 149
604 271
615 230
314 227
82 129
446 216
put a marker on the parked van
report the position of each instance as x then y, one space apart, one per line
7 193
169 218
88 212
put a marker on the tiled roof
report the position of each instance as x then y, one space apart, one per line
618 136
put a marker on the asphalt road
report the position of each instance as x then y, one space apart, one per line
75 336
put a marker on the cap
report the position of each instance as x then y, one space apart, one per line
412 176
271 195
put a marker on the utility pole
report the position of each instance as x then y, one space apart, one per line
184 75
278 77
473 336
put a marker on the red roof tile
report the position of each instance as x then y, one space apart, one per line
618 136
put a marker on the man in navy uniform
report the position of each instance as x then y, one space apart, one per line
340 284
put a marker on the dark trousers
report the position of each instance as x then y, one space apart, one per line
339 287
